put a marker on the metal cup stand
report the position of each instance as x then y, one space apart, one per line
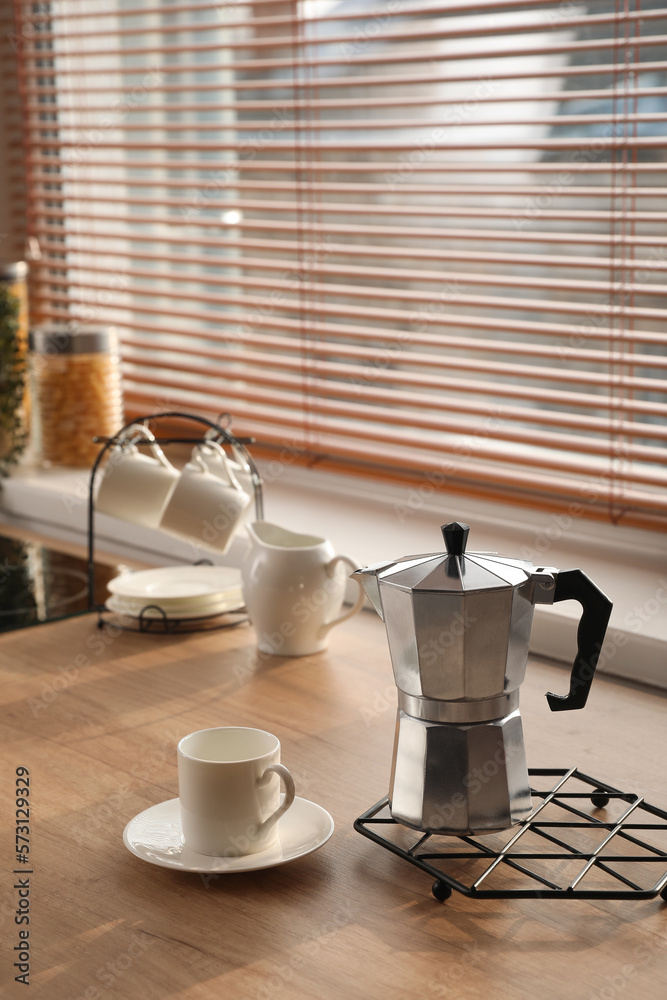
145 622
580 863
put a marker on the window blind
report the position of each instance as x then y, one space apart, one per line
411 239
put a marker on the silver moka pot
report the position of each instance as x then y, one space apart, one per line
458 626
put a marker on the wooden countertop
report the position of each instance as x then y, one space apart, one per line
95 717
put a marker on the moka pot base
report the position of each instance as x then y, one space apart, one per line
459 779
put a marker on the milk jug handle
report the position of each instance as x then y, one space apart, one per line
574 585
361 596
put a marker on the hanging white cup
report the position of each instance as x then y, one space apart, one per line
133 486
205 508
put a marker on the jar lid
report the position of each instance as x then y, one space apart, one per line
60 339
13 271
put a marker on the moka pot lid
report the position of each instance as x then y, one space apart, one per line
455 570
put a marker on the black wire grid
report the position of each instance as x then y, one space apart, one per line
594 842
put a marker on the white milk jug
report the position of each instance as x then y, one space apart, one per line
293 586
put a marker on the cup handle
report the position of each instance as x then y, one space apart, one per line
361 596
160 455
137 434
290 792
232 481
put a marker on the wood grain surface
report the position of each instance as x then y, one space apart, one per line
96 715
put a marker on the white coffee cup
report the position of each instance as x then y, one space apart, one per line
229 790
204 509
134 486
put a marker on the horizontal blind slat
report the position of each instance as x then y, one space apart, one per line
289 124
577 489
387 274
565 22
485 323
143 353
44 182
425 54
60 13
611 144
454 298
569 331
296 83
384 232
616 169
390 416
426 31
309 251
615 380
271 205
628 94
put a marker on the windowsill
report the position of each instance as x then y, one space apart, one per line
372 522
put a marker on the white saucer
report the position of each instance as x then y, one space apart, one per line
177 583
136 609
155 836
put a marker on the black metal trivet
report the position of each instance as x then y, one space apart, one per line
612 837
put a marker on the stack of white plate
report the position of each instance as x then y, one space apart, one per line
177 592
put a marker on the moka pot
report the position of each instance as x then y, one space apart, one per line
458 626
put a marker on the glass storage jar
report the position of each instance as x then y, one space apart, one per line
14 277
76 392
14 399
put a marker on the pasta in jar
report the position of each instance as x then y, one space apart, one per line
76 392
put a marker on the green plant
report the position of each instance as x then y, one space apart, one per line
13 434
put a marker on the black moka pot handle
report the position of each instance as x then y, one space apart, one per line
572 584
